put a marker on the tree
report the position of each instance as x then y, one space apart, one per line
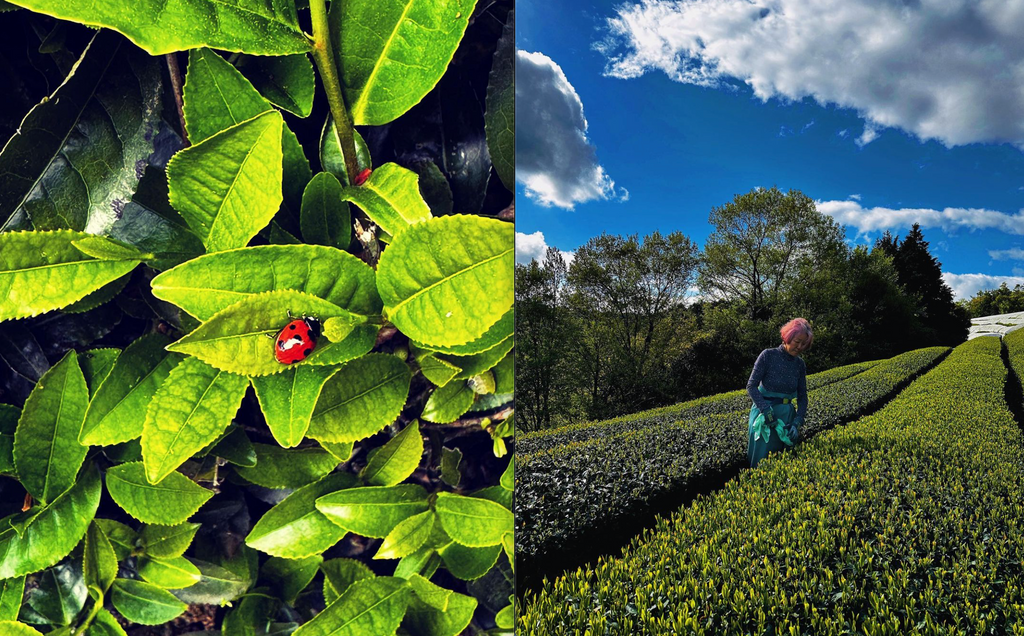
636 292
759 241
989 302
543 326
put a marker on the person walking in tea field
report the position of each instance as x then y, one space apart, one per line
778 388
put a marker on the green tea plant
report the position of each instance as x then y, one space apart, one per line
580 491
270 400
905 521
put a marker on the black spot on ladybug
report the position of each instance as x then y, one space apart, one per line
307 352
291 326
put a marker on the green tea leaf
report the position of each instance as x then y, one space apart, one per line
496 335
432 595
505 619
76 157
286 81
288 398
99 563
450 459
144 603
427 620
338 328
294 528
390 197
280 468
43 271
217 97
252 614
373 511
341 450
438 371
168 541
325 218
397 459
242 338
47 454
228 187
236 448
407 537
474 523
104 624
210 283
12 628
363 397
11 592
371 606
448 403
165 26
332 158
442 296
57 596
8 425
340 574
99 297
500 106
400 53
469 564
480 362
122 538
54 531
289 577
504 375
117 410
191 408
424 561
217 586
508 477
107 249
434 187
173 573
171 501
96 365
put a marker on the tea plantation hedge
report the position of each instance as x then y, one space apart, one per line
720 403
906 521
579 491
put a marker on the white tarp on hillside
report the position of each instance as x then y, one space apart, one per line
996 325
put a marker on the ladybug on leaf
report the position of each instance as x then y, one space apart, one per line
297 340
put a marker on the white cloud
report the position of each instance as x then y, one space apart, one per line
1012 254
967 285
870 134
554 157
531 247
855 197
951 70
852 213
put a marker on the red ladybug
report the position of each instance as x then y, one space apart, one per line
297 340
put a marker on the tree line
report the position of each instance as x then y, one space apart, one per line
629 324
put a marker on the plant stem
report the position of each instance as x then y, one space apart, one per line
323 55
175 72
97 605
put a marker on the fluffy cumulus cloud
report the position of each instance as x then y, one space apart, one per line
554 157
951 71
531 247
876 219
967 285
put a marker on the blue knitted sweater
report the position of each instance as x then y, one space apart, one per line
780 372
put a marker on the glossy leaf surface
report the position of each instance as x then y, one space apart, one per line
294 528
443 296
361 398
500 111
191 409
390 197
373 511
396 460
47 454
170 502
144 603
474 523
368 607
288 399
277 467
325 218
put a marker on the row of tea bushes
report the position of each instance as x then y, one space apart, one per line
720 403
906 521
1014 343
579 491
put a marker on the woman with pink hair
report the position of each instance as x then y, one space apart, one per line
778 388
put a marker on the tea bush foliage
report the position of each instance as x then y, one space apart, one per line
905 521
579 490
157 235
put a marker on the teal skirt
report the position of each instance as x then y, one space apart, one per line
764 439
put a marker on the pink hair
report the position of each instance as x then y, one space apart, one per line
794 328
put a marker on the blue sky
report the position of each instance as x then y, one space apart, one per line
885 116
